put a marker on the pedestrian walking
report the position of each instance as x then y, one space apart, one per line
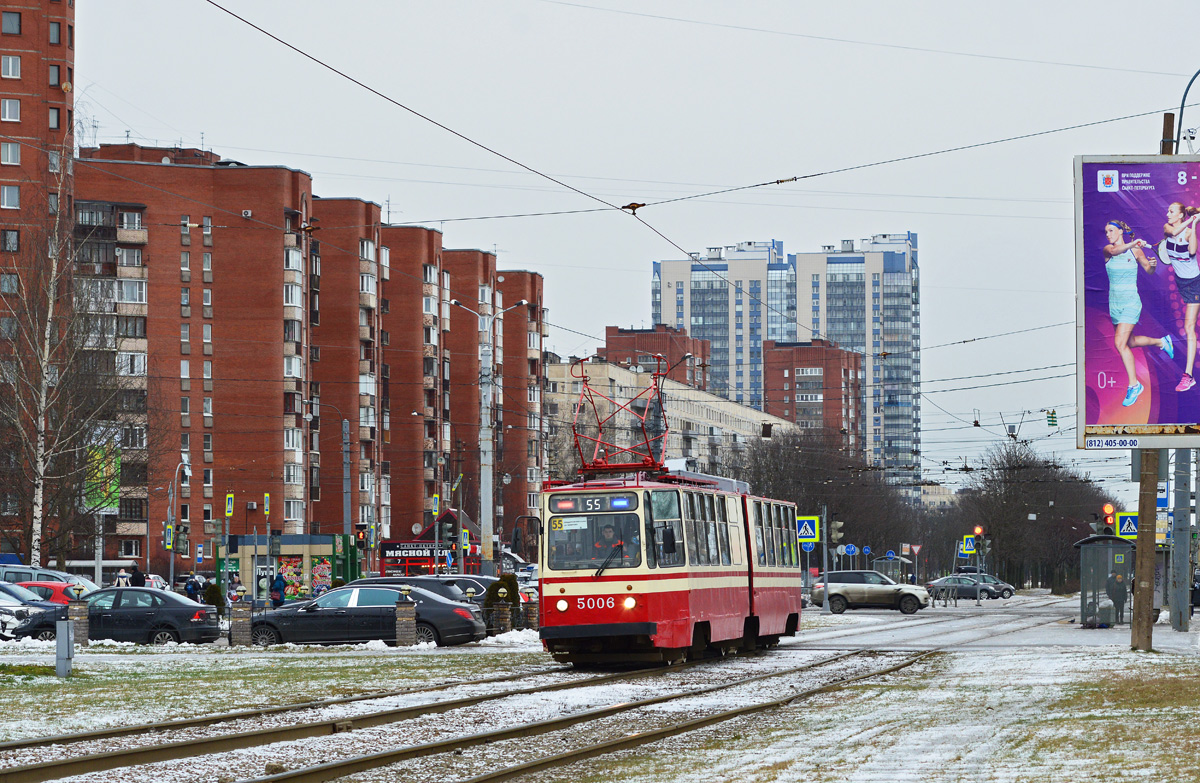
137 578
122 579
192 587
278 590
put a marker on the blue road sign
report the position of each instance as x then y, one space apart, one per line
199 553
851 549
808 546
1127 525
866 550
891 554
808 529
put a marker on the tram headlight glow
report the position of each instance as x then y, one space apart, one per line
630 602
562 605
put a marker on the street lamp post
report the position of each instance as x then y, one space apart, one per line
345 461
486 435
185 463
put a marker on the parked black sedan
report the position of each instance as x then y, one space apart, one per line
134 614
363 613
446 589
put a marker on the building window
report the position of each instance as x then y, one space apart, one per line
53 118
207 370
131 291
185 333
366 284
10 240
207 226
12 23
208 477
206 333
185 229
130 220
293 439
208 406
293 510
185 296
185 260
208 513
291 259
55 32
10 153
131 364
10 196
207 297
185 441
207 262
293 473
133 436
129 256
185 368
291 330
185 405
291 367
8 283
54 75
10 66
291 295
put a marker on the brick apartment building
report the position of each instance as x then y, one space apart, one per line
521 462
816 385
638 347
212 305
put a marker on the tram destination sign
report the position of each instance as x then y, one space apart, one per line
598 503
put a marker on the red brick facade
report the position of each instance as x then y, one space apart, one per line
816 385
630 347
521 456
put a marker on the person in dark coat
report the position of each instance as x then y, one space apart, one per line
1117 591
137 578
278 591
192 587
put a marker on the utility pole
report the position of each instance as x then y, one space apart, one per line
1142 626
1181 572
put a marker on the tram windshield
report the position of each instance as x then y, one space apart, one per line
588 541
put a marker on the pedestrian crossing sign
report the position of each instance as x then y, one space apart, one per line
968 546
1127 524
808 529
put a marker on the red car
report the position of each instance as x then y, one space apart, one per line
54 592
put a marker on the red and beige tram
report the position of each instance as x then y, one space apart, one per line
660 567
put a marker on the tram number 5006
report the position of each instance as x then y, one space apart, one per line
596 603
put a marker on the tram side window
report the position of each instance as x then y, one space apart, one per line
758 533
667 527
722 530
689 526
787 538
780 544
789 521
735 535
702 556
769 531
710 530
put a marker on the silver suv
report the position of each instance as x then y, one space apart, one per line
855 589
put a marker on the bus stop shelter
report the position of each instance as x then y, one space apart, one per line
1104 599
897 568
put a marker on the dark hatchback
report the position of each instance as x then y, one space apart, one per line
134 614
363 613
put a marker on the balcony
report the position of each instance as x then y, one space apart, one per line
367 299
366 333
133 236
291 239
429 382
314 282
366 433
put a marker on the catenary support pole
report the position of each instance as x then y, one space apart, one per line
1142 627
825 571
1181 572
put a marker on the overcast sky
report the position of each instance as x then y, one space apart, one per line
645 101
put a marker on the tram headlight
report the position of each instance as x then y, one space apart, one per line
630 602
562 605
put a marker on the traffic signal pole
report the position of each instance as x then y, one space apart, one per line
825 555
1181 572
1142 627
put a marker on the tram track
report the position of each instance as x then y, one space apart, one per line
623 739
135 757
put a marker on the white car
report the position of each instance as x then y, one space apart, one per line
156 581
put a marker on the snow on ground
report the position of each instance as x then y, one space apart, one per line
1054 703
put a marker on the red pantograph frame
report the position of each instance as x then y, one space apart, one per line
604 451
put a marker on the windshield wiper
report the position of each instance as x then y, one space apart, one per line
607 560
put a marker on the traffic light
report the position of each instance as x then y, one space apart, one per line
360 539
446 529
978 531
834 534
1051 419
451 532
985 544
1108 522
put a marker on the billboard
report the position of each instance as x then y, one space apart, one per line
1137 299
102 479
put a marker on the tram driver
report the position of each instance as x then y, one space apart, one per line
607 542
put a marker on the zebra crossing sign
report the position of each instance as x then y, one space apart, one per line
1127 524
808 529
